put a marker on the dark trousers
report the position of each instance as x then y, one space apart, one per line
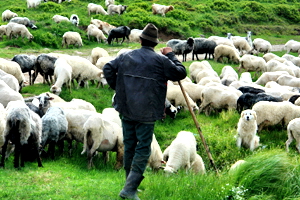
137 138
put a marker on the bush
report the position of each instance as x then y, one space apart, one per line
221 5
291 13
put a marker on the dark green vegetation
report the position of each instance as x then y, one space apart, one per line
189 18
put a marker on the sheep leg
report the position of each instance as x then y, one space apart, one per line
4 147
17 155
289 141
90 160
105 156
51 149
38 156
239 142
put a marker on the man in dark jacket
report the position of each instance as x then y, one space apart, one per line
139 78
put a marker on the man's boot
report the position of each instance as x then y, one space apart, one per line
132 183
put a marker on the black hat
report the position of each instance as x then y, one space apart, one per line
150 33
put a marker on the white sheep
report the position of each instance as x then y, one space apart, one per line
222 40
101 135
74 19
181 153
292 46
92 30
97 53
34 3
14 69
116 9
103 60
283 91
215 98
198 165
207 73
269 76
135 35
104 26
108 2
225 51
62 75
16 30
60 18
71 38
288 80
269 56
261 46
274 65
246 77
251 63
2 31
181 47
156 156
228 75
7 15
197 66
194 91
161 9
242 45
205 81
293 133
95 8
82 104
112 115
10 80
295 60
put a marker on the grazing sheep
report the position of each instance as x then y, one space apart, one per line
269 56
35 109
109 2
250 89
196 67
23 20
62 75
8 94
103 60
246 77
2 31
274 65
10 80
82 104
156 156
181 47
55 126
295 60
44 66
59 18
292 46
7 15
222 40
181 153
207 73
34 3
203 45
261 46
23 129
288 80
101 135
74 19
97 53
170 110
269 76
229 52
251 63
112 115
119 32
228 75
27 64
103 26
71 38
198 165
293 133
135 35
16 30
116 9
92 30
242 45
95 8
161 9
14 69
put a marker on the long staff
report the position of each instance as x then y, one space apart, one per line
198 128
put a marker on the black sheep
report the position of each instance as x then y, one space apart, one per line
119 32
181 47
203 45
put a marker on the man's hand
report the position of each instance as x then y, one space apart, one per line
165 50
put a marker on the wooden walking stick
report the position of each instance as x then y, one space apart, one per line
198 128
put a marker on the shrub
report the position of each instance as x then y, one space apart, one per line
51 7
221 5
291 13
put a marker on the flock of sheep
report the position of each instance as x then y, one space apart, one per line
48 120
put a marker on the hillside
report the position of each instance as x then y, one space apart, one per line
192 18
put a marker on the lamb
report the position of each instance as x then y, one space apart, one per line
55 126
27 64
14 69
97 53
119 32
295 60
203 45
161 9
269 76
198 165
181 153
112 115
135 35
215 98
71 38
242 45
261 46
62 75
102 135
14 29
74 19
95 8
2 31
7 15
231 53
23 20
293 133
34 3
228 75
104 26
23 129
156 156
92 30
251 63
8 94
292 46
10 80
116 9
44 66
59 18
181 47
109 2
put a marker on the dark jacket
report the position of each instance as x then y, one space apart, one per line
139 78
